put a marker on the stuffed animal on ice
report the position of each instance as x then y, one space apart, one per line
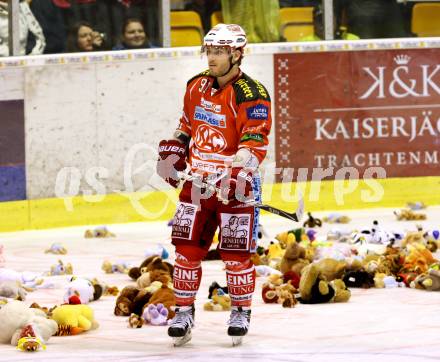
157 250
220 301
57 249
28 280
150 263
156 315
312 222
428 281
12 289
99 232
275 290
24 327
73 319
314 288
409 215
61 269
110 268
294 258
375 235
81 290
336 218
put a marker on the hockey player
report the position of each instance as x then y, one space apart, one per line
223 135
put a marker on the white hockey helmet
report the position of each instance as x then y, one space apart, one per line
226 35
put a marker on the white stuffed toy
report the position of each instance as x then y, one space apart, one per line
29 280
81 290
24 327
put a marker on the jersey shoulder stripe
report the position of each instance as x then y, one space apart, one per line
202 74
248 89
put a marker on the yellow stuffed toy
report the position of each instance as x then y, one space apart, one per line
74 319
220 301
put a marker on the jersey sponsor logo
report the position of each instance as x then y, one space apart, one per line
209 139
210 156
261 89
210 106
217 120
184 220
235 231
259 112
207 166
252 137
245 88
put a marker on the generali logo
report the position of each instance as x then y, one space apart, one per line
403 80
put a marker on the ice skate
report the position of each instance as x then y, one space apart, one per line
238 324
180 327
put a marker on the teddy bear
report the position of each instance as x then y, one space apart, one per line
110 268
428 281
409 215
294 256
27 327
330 268
220 301
73 319
165 296
60 269
312 222
129 301
336 218
314 288
99 232
57 249
150 263
283 294
81 290
272 282
135 321
28 280
358 279
12 289
146 279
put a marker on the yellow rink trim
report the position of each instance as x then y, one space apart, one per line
116 208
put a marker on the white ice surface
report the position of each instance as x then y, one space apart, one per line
375 325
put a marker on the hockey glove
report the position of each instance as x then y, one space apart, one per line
172 155
238 186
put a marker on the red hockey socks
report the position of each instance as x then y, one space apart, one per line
241 282
187 276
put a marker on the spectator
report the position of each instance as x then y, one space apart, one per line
133 36
28 23
374 18
82 38
319 30
50 18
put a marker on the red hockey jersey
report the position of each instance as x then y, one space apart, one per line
222 120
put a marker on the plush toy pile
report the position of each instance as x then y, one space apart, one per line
301 266
150 301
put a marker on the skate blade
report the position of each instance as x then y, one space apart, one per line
236 341
180 341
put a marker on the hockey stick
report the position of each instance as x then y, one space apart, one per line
294 216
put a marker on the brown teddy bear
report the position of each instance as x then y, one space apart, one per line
151 263
131 300
294 258
165 296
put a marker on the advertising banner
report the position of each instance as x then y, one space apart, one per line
364 110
